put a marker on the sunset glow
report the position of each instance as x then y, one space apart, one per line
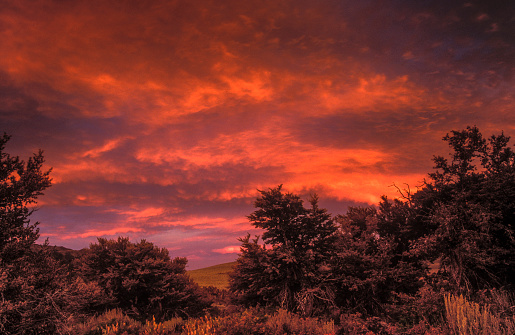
162 119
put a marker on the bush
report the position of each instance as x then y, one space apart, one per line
38 297
425 307
353 324
142 279
96 324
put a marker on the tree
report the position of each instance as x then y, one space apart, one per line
463 216
370 270
142 280
36 294
20 185
472 212
289 271
256 278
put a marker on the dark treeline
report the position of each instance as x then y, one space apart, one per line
397 261
401 267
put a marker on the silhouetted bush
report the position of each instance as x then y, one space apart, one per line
40 297
142 280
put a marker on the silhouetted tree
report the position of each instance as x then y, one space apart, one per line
290 271
472 211
370 271
20 185
37 295
255 278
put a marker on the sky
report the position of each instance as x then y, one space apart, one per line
161 120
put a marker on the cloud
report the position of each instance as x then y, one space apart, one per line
233 249
161 119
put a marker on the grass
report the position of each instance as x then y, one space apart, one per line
465 317
253 321
217 275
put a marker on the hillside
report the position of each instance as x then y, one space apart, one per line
66 253
217 275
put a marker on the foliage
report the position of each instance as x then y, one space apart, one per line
353 324
287 223
500 302
222 300
423 308
141 279
203 326
250 321
253 279
290 272
171 326
284 322
375 260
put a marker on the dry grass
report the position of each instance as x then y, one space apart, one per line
469 318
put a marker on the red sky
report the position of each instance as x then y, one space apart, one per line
161 119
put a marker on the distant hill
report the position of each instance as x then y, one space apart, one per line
217 275
62 250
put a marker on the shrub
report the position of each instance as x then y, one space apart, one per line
201 326
38 297
357 324
108 321
501 302
353 324
407 311
141 278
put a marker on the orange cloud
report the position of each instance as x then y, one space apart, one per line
134 215
232 249
108 146
348 173
201 222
